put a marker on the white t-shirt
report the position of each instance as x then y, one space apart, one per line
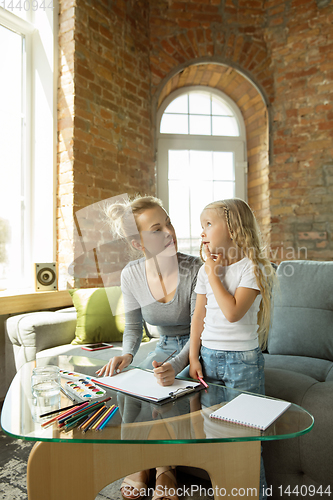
219 334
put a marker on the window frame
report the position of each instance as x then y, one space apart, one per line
165 142
39 144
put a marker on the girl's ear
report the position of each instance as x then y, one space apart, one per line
137 245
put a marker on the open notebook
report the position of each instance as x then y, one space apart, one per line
252 411
143 384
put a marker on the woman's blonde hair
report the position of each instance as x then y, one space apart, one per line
122 217
244 231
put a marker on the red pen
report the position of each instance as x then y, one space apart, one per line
201 380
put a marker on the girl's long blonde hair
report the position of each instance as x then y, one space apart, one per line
245 232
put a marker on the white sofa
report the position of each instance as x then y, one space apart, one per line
48 334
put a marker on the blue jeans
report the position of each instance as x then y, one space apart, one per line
165 346
242 370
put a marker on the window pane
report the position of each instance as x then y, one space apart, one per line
179 209
200 125
200 104
224 166
178 164
219 108
223 125
223 190
201 165
201 195
178 105
174 124
11 168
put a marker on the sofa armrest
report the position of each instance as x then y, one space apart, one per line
31 333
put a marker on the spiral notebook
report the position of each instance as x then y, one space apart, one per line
252 411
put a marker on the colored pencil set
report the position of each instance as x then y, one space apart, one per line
85 416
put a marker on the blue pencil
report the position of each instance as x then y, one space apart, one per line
108 418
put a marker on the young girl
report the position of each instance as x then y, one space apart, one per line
232 285
234 281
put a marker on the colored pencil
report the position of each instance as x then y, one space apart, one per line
108 418
85 409
63 414
100 419
72 425
106 415
68 413
201 380
62 409
92 418
83 413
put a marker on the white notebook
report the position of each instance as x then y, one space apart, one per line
252 411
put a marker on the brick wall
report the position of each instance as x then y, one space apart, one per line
300 37
120 58
105 137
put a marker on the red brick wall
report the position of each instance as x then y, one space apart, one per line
108 145
285 49
115 59
300 37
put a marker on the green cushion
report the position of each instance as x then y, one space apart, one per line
95 321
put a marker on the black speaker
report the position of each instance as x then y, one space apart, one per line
46 277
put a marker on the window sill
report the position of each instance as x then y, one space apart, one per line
33 301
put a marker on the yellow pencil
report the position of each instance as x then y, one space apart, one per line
86 423
105 414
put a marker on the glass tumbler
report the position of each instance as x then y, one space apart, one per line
45 382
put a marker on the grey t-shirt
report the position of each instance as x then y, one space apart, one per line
171 318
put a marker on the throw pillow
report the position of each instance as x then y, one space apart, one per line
95 320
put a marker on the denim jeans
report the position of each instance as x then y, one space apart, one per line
240 370
165 346
237 369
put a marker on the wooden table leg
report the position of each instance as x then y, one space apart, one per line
74 471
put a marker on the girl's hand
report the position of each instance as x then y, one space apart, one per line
116 364
165 374
195 369
213 262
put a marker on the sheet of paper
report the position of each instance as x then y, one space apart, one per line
142 383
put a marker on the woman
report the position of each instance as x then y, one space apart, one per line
157 288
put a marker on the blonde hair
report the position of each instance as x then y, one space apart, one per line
122 217
244 231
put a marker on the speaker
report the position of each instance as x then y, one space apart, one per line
46 277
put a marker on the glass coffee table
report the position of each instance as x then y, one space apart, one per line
141 435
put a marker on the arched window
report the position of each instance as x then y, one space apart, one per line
201 157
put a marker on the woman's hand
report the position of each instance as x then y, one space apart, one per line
116 364
195 369
165 374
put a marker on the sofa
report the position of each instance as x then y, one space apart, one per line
97 316
298 368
